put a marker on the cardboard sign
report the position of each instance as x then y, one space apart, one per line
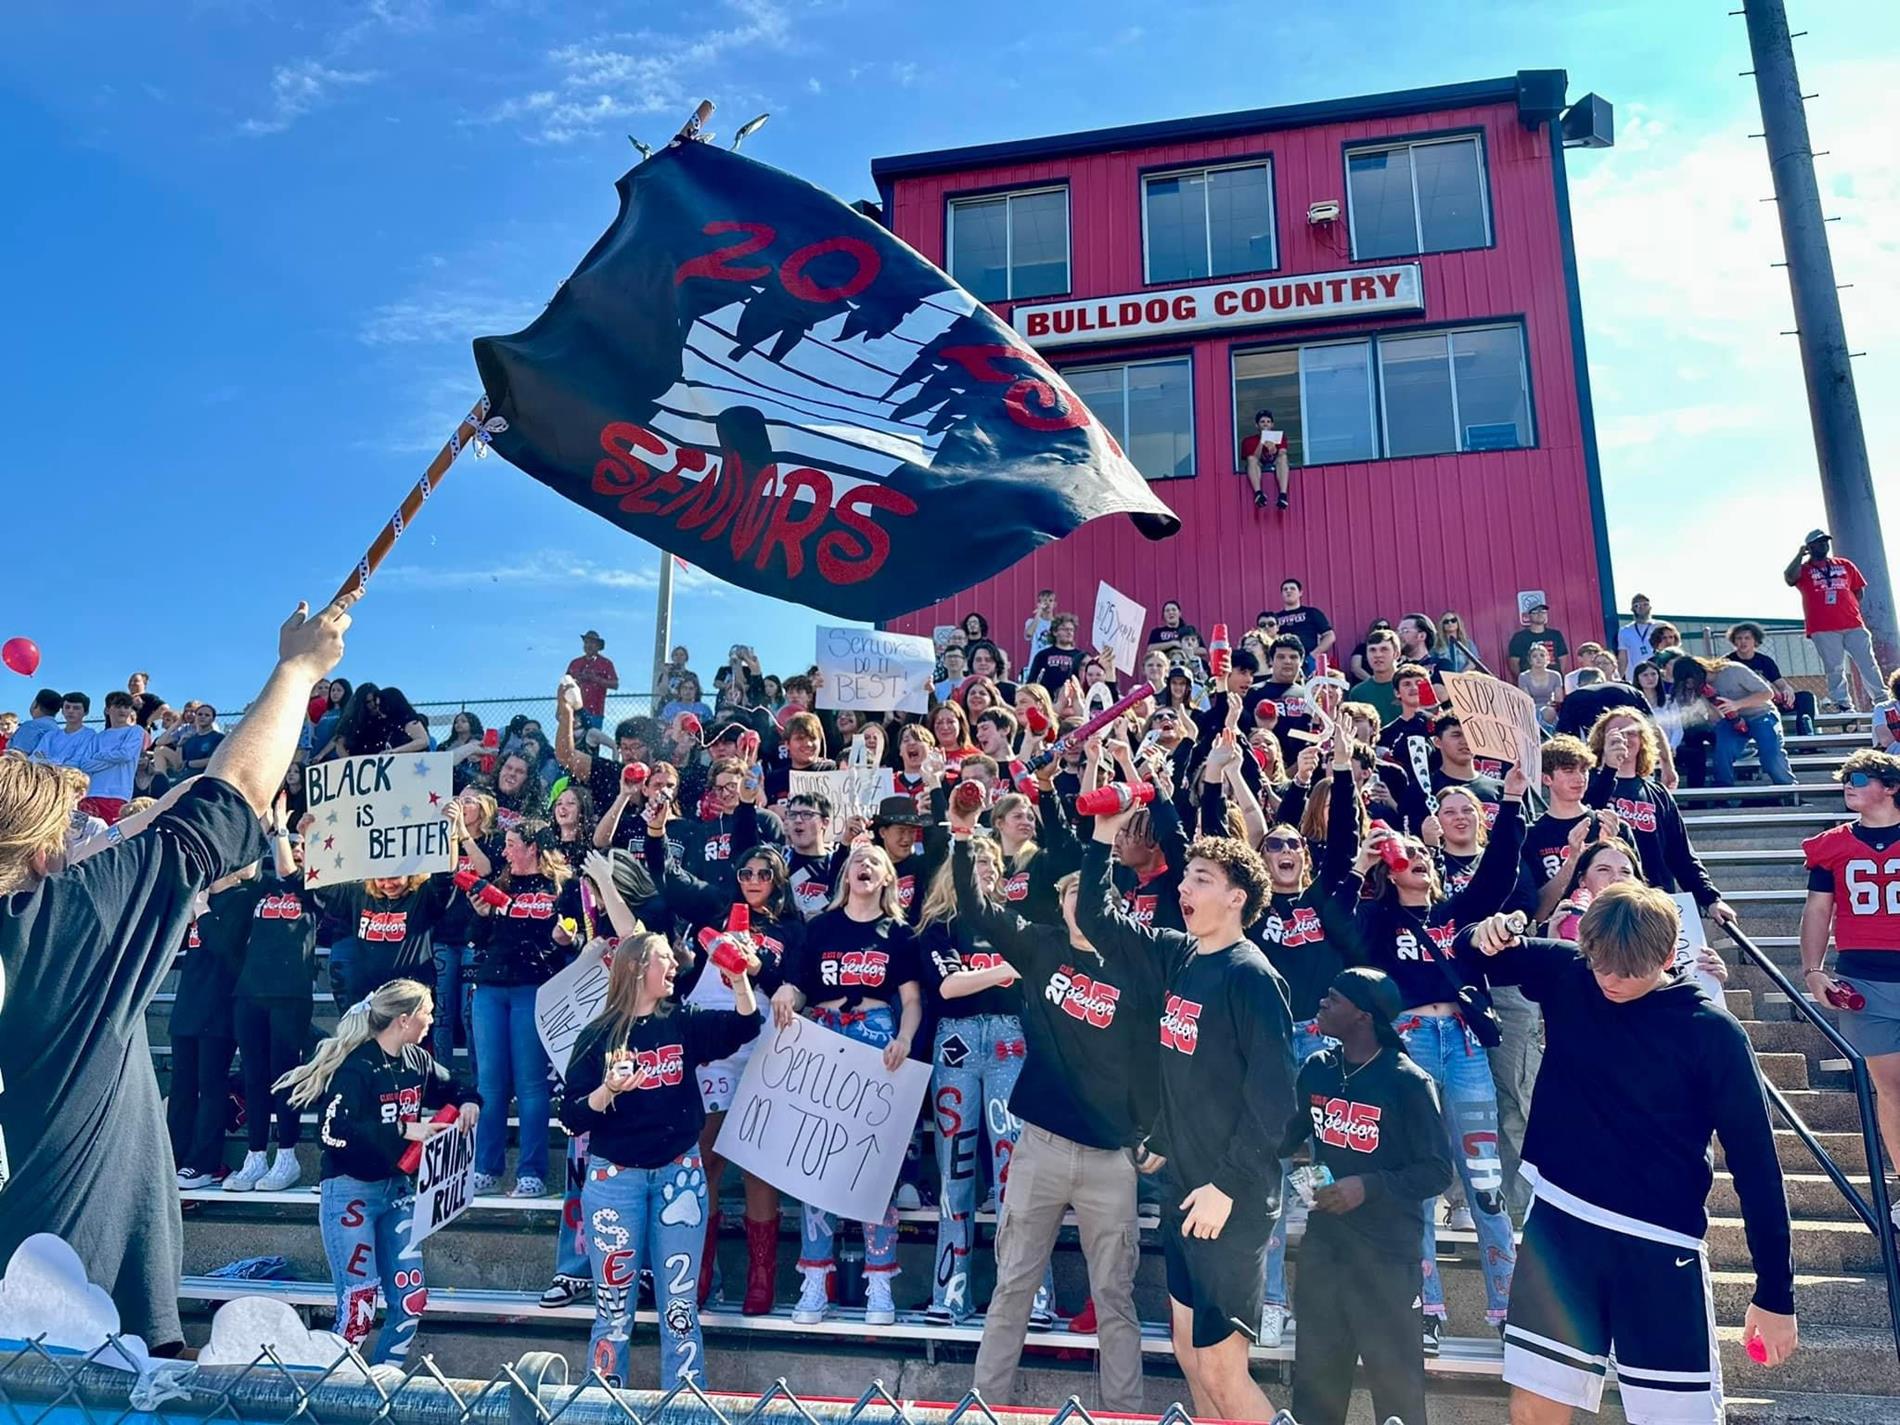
566 1003
1118 624
1694 936
443 1182
873 671
818 1116
380 815
852 791
1500 720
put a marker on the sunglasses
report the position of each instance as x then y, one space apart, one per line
1865 779
1282 843
754 873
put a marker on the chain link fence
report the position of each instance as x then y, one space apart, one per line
43 1386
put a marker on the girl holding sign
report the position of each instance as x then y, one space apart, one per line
857 972
775 929
632 1088
376 1083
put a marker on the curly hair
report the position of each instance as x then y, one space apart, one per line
1242 867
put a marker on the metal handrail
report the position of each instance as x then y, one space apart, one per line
1876 1216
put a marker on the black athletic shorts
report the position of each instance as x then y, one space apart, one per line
1582 1291
1222 1281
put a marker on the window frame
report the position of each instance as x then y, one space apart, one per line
952 201
1176 170
1184 357
1355 147
1376 383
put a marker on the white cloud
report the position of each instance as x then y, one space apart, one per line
445 315
298 88
548 569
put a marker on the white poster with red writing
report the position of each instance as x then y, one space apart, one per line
820 1118
381 815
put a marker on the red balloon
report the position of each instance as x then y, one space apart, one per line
22 655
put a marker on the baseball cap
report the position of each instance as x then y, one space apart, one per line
1540 604
1378 996
1815 534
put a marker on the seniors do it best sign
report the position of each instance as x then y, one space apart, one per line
382 815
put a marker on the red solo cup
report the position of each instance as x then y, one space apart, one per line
633 774
967 798
1392 852
1114 798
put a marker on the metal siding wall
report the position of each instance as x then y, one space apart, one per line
1377 539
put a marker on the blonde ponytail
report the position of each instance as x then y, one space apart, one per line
362 1022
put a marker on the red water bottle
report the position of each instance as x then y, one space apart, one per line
411 1157
1392 852
1219 653
1845 996
1020 779
1115 798
634 774
491 738
1322 665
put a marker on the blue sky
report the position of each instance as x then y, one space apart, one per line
249 241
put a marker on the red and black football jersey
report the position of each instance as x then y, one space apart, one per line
1860 867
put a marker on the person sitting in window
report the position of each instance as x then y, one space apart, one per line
1267 445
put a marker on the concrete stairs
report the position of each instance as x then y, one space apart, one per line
487 1270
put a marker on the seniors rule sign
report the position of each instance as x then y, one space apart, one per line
380 815
1262 301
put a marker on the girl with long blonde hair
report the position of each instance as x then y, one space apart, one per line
858 974
376 1085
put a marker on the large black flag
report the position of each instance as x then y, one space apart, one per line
748 373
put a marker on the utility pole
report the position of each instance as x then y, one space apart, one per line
662 624
1847 486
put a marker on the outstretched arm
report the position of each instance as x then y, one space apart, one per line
253 758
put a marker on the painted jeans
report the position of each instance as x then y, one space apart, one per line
628 1211
1451 1054
365 1230
1306 1044
570 1245
876 1026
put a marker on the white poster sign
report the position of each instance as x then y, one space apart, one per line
1694 937
377 816
565 1004
1500 721
874 671
1118 624
1528 599
443 1182
852 791
818 1116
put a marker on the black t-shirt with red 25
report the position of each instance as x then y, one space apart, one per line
520 948
861 962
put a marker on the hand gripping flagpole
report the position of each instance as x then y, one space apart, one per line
477 428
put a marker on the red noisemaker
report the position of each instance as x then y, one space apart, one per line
748 744
491 738
1115 798
967 798
487 892
1845 996
634 774
691 725
1219 653
411 1157
727 948
1322 665
1020 779
1758 1350
1066 744
1391 852
1036 720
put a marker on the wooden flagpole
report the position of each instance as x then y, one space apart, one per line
476 427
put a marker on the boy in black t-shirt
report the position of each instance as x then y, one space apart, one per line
1373 1117
1061 660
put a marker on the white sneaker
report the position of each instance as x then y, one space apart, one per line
879 1309
906 1198
529 1187
1458 1218
482 1184
285 1172
1273 1321
192 1181
247 1177
814 1301
1042 1310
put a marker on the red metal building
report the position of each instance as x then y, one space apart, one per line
1392 275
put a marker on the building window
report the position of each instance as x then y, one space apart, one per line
1211 222
1012 245
1146 405
1409 198
1434 393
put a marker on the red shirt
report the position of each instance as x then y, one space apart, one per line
1864 880
1830 595
1252 444
594 675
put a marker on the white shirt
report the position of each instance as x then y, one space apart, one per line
1632 642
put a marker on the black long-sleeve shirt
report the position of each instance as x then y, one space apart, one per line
395 937
1625 1104
700 904
280 956
1378 1122
650 1126
370 1098
1302 934
1655 822
214 958
1088 1019
520 948
1226 1049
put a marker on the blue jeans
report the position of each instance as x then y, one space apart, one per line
454 1003
342 960
629 1211
1451 1054
876 1026
512 1064
1305 1045
365 1230
1764 730
975 1065
570 1245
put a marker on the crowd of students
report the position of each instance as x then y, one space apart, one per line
1256 918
